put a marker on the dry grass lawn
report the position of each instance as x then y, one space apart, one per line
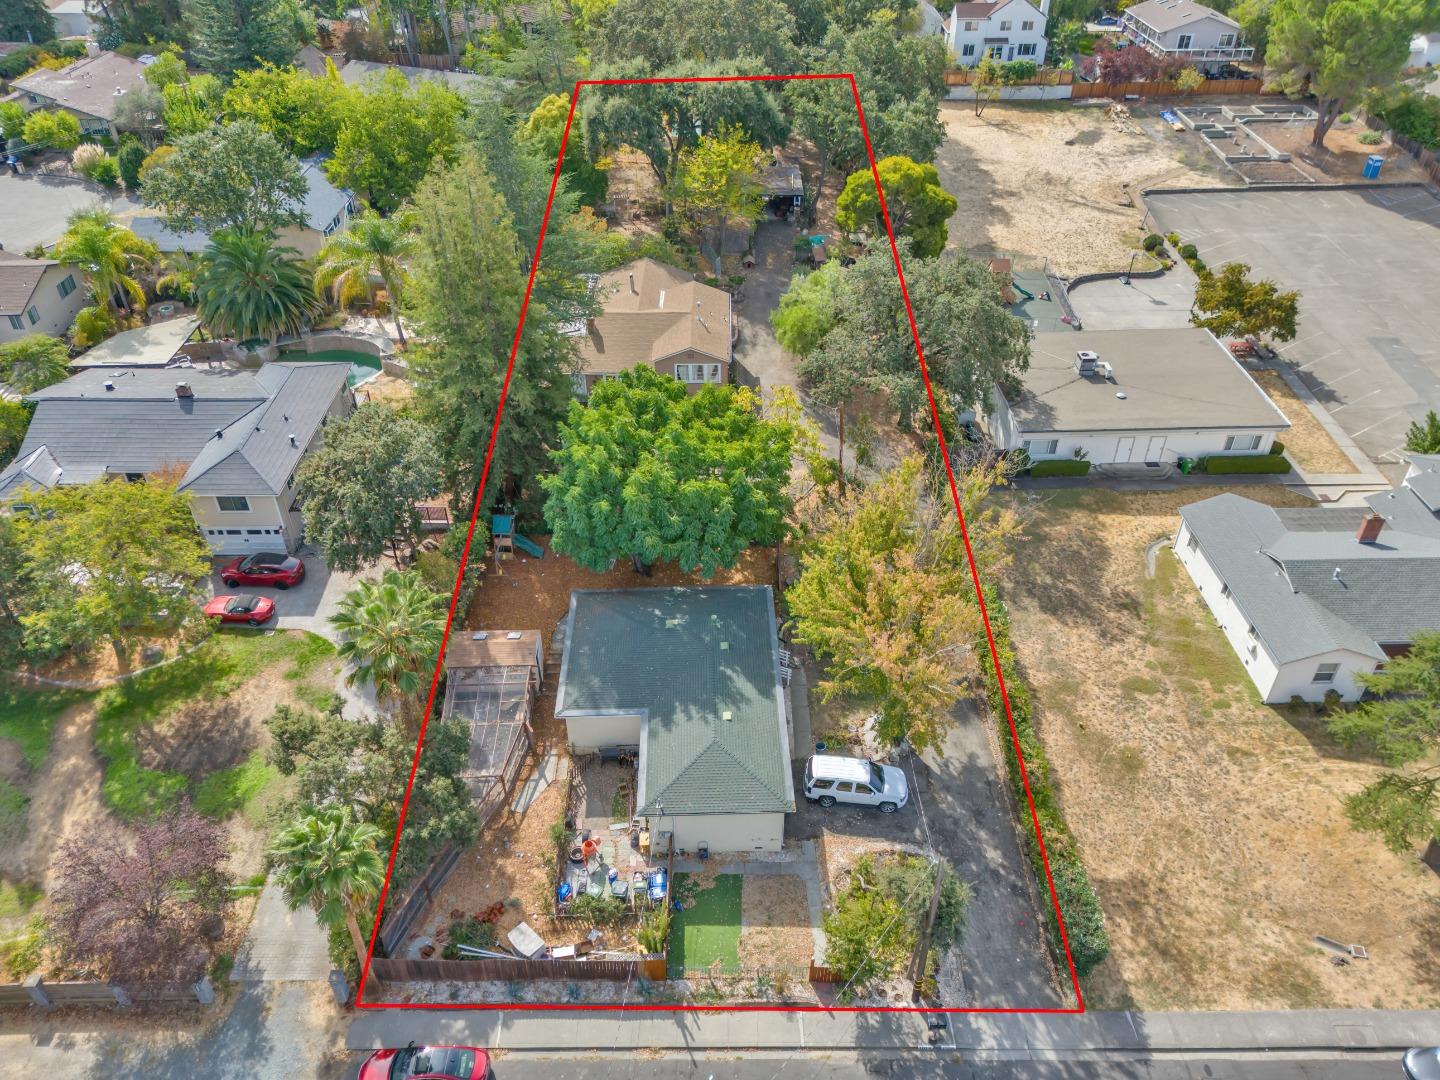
1046 180
1211 825
774 922
1306 443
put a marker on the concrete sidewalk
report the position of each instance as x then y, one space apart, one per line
573 1030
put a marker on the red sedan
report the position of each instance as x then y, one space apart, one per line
247 608
265 568
428 1062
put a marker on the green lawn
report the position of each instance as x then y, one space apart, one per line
707 928
216 669
27 713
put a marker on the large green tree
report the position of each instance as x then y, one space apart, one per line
1423 437
391 134
112 563
886 600
233 176
971 340
33 362
1399 720
369 246
390 633
719 180
328 861
1229 304
545 127
26 20
303 111
466 289
249 288
549 60
109 255
1337 49
651 473
362 484
918 207
191 107
233 35
660 34
808 310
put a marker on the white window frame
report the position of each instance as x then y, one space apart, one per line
220 504
1227 41
1036 454
967 50
1028 24
1192 542
1232 443
1184 41
1004 24
577 384
971 26
1326 673
1025 49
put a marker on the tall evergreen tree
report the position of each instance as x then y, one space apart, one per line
465 297
235 35
26 20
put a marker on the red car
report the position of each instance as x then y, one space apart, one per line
430 1062
246 608
265 568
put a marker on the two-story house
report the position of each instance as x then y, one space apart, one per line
37 296
235 438
655 315
1184 30
87 89
1003 29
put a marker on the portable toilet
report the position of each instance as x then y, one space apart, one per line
1373 164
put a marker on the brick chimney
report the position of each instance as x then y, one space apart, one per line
1369 530
182 390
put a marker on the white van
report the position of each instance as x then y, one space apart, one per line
830 779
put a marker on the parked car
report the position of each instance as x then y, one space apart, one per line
246 608
1422 1063
276 568
830 779
432 1062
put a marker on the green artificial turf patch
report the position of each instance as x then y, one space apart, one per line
707 927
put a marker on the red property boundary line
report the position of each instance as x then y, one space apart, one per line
360 1003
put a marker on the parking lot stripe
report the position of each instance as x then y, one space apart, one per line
1357 401
1357 434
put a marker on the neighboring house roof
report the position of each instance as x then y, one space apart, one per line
782 180
147 346
651 310
233 434
1162 380
322 203
310 59
1309 586
19 278
702 665
1163 16
357 71
89 85
492 648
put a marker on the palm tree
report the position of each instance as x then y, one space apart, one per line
107 254
330 861
390 632
179 277
248 287
371 245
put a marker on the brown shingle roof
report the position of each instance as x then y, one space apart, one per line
651 311
88 86
494 650
18 278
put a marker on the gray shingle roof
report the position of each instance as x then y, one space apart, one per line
142 426
685 657
1307 584
1165 15
90 85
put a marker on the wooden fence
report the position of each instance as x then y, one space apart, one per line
1426 159
35 991
821 974
1164 89
407 911
489 969
430 61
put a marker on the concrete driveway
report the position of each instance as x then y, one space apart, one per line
1161 303
966 817
33 208
1366 264
759 359
307 606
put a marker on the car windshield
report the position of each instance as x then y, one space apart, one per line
242 603
433 1060
877 777
261 561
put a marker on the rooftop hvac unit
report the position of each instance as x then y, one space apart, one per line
1085 361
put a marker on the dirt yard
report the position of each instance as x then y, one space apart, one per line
1306 443
1211 825
774 922
1046 180
1343 158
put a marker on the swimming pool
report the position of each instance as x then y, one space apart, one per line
363 366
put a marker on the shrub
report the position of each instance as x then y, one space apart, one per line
153 160
92 325
1370 138
85 157
1153 242
1173 238
472 932
1344 118
129 160
1277 447
55 129
1060 467
1197 264
598 909
1188 252
106 171
1246 463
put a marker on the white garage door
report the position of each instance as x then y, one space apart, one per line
245 541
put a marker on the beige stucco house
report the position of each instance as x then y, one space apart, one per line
236 437
655 315
37 296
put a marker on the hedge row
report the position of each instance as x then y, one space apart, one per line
1247 463
1084 919
1060 467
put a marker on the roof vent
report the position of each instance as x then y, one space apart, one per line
513 635
183 390
727 715
479 635
1335 576
293 440
660 303
632 283
1120 394
724 646
109 384
219 433
702 324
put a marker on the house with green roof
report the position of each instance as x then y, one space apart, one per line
688 679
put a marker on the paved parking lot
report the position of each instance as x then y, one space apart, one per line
1002 960
1366 264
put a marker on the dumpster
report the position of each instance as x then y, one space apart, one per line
1373 164
1187 465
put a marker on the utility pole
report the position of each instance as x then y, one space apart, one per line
922 947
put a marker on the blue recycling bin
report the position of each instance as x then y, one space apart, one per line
1373 164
